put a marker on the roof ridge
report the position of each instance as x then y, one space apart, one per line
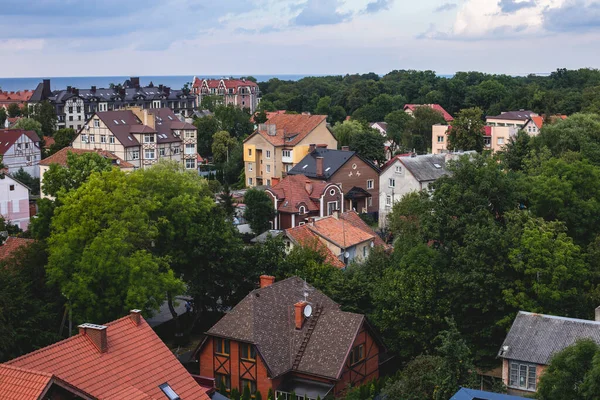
31 371
586 321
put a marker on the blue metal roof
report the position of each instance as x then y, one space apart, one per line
473 394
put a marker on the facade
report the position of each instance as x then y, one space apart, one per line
20 149
358 178
123 359
60 158
140 136
297 199
241 93
75 106
494 138
14 202
513 119
410 109
300 342
532 341
534 125
279 144
20 97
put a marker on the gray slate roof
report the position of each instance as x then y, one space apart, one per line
424 168
333 160
265 317
535 338
522 115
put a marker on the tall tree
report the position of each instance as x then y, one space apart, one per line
45 114
467 130
259 210
345 131
13 110
29 124
222 145
62 138
423 119
207 127
398 129
234 120
369 145
3 116
79 167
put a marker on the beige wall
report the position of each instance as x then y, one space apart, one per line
438 131
515 123
500 136
116 148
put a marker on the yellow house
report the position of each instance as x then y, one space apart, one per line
281 143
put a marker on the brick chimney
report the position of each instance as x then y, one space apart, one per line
266 280
319 166
97 334
274 181
345 148
136 316
598 314
311 147
299 313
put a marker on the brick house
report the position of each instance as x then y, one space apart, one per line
298 198
532 341
289 337
241 93
123 359
358 178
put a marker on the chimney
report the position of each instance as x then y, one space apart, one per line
93 89
311 147
598 314
97 334
46 88
299 313
322 146
266 280
319 166
345 148
274 181
76 91
160 88
136 316
135 81
69 89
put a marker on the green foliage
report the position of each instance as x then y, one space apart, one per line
420 128
259 210
29 124
270 392
221 145
62 138
45 114
246 393
467 130
260 117
234 120
235 394
207 127
60 179
369 145
13 110
398 129
345 131
3 117
515 152
210 103
28 180
417 381
257 395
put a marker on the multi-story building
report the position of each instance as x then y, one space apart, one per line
358 178
14 202
241 93
20 149
139 136
513 119
280 143
20 97
288 337
75 106
410 109
494 138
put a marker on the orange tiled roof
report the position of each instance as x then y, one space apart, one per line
290 128
133 367
354 219
60 157
296 190
11 245
339 232
303 236
436 107
14 97
539 120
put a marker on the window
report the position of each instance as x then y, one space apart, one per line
111 139
365 252
102 138
190 163
398 168
249 181
190 134
223 380
162 152
388 201
250 167
70 118
12 188
392 183
268 153
302 210
331 207
440 139
149 138
268 168
522 376
247 351
487 141
286 153
222 346
78 109
190 148
149 154
250 152
71 110
500 140
92 138
248 383
370 184
84 138
176 150
357 354
135 155
96 123
169 392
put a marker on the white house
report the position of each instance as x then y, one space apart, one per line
20 149
14 201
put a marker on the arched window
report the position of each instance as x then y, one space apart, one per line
302 210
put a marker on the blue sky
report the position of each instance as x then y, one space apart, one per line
212 37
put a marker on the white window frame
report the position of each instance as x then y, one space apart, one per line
135 155
250 167
102 138
268 153
370 184
149 154
249 181
329 209
190 148
92 138
193 163
111 139
500 141
149 138
440 139
301 210
514 377
96 123
84 139
398 169
388 201
286 153
162 152
392 182
269 168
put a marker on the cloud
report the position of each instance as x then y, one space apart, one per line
321 12
446 7
573 16
510 6
378 5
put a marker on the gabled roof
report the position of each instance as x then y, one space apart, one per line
15 97
382 125
165 122
333 160
303 236
474 394
521 115
424 168
289 129
294 191
535 338
436 107
354 219
11 245
263 319
539 120
339 232
133 367
8 137
123 124
229 83
60 157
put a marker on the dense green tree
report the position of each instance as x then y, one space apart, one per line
29 124
62 138
259 210
13 110
369 145
79 167
210 103
423 119
45 114
417 381
3 116
323 106
28 180
398 129
207 127
222 145
467 130
234 120
345 131
260 117
515 152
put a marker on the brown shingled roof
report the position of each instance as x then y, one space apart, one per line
291 128
8 137
60 157
122 124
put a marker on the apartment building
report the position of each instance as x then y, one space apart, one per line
513 119
494 139
241 93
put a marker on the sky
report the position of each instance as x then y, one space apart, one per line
262 37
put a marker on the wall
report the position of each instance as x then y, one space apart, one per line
356 172
116 148
14 204
319 135
439 130
505 122
24 153
405 183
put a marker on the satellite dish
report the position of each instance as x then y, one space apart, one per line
307 310
346 255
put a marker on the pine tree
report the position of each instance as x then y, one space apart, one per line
246 393
270 394
257 395
235 394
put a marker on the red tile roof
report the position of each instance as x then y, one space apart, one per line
270 114
436 107
340 232
15 97
357 222
48 141
303 236
135 364
539 120
229 83
8 137
290 128
60 157
12 244
297 190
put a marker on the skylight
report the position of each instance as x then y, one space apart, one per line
123 121
168 390
129 137
305 166
327 169
438 166
171 118
116 122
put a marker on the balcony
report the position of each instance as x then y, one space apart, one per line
286 158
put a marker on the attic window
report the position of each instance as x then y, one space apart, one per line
168 390
438 166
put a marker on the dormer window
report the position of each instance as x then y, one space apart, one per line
149 138
302 210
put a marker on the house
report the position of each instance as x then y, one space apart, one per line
534 124
342 237
514 119
381 127
298 198
404 174
289 337
60 158
280 143
494 138
474 394
20 97
241 93
139 136
14 202
75 106
357 177
11 245
123 359
532 341
20 149
410 109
